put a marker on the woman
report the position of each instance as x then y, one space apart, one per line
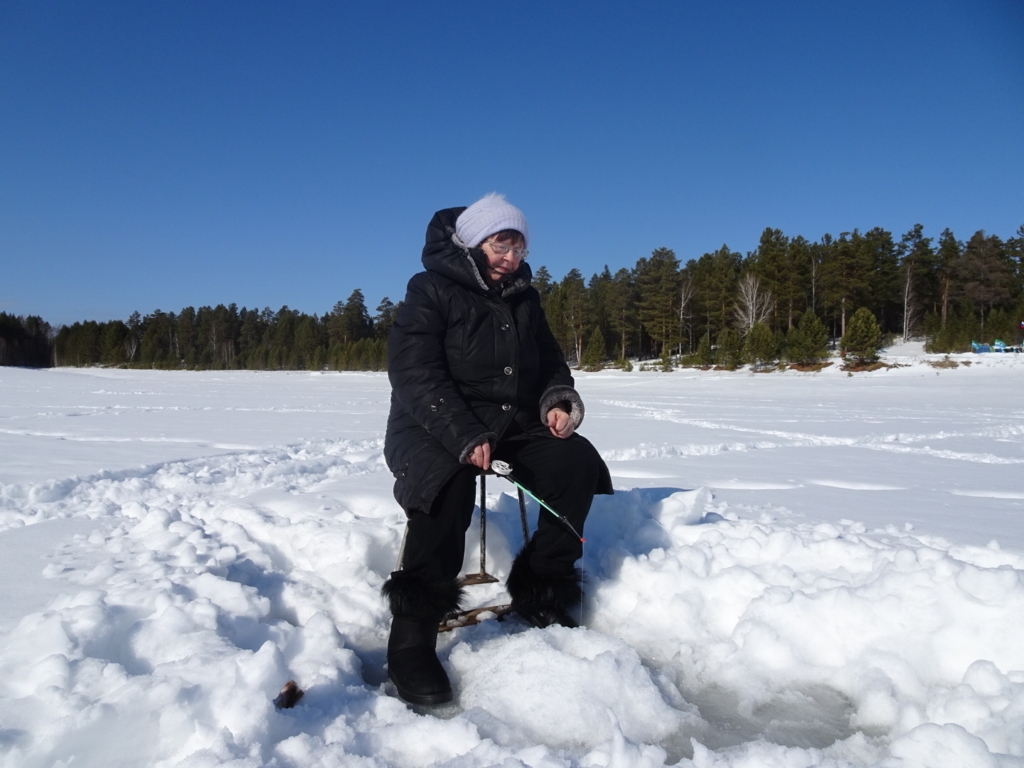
476 375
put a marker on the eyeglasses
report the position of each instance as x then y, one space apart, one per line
501 249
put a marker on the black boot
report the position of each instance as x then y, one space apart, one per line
417 607
544 598
413 665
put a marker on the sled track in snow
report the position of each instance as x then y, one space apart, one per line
896 443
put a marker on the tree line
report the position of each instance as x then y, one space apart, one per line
721 308
945 290
226 337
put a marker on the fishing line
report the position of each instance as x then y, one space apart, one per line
504 469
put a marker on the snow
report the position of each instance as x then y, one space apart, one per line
796 569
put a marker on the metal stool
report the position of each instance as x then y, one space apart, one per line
482 576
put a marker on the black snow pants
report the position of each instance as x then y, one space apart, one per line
564 473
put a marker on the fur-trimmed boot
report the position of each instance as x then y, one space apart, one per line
417 606
544 599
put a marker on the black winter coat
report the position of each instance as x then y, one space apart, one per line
464 360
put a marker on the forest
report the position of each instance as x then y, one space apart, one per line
787 299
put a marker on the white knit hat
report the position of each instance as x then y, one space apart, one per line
490 214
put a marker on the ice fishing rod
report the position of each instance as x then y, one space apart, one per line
504 469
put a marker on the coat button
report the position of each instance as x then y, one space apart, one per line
504 326
506 407
508 370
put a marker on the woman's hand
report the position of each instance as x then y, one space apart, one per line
481 456
560 423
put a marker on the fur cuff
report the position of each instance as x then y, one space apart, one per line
533 592
562 394
414 598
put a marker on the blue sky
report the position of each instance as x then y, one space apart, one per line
166 154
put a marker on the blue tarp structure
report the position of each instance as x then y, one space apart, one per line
997 346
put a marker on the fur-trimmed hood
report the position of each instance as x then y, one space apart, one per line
445 254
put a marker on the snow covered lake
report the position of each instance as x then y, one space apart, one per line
796 569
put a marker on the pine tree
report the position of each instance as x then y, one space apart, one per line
846 270
185 333
862 337
947 258
336 325
919 285
807 343
355 318
884 295
542 281
769 263
665 360
704 355
599 303
658 281
112 343
594 355
250 337
715 276
307 342
282 339
760 348
574 309
319 358
797 290
985 273
728 351
622 309
157 339
1015 252
386 312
